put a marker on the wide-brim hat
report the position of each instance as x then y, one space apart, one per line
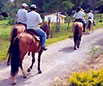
24 5
33 6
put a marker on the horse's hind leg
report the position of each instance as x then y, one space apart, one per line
39 58
8 60
75 42
14 80
23 72
78 42
33 61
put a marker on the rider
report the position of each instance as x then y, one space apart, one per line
80 16
21 14
33 20
91 16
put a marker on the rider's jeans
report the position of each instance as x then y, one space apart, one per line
42 35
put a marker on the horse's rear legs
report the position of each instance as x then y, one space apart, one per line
75 43
78 42
14 80
23 72
39 58
8 60
33 61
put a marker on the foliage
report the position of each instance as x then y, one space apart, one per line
90 78
47 6
57 5
95 50
77 2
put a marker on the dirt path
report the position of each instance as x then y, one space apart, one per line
58 61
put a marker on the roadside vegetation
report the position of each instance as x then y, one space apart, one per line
89 73
90 78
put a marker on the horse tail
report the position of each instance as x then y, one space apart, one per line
89 24
76 33
14 34
15 57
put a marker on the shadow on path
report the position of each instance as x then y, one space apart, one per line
67 50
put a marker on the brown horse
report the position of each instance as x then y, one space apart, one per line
77 29
23 43
19 28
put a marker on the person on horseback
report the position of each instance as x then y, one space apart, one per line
80 17
21 15
33 20
91 17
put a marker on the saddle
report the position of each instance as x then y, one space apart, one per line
34 34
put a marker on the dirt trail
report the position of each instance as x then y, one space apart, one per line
58 61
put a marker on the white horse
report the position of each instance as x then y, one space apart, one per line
89 25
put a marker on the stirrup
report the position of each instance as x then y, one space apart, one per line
43 48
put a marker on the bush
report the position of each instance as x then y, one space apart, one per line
90 78
11 21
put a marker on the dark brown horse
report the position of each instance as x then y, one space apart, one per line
19 28
77 29
46 28
23 43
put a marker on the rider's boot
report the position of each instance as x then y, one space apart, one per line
43 48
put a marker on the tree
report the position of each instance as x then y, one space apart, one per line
77 3
52 6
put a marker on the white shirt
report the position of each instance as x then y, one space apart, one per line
33 19
90 15
79 15
21 14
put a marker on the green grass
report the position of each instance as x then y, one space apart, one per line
5 32
4 45
3 22
4 41
54 40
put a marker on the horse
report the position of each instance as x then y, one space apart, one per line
19 28
46 28
89 25
77 29
23 43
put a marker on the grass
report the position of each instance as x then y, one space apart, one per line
4 45
4 41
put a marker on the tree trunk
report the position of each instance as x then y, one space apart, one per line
57 23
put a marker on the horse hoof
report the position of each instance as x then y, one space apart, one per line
39 72
14 83
74 48
29 70
24 76
8 64
77 46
